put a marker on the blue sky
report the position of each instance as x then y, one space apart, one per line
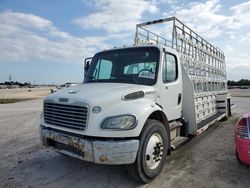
46 41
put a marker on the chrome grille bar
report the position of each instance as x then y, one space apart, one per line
70 116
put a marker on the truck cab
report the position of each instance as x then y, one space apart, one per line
135 105
123 89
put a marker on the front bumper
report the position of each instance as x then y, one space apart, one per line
102 152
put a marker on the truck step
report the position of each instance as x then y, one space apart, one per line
174 129
178 141
174 125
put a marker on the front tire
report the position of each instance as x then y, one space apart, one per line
152 152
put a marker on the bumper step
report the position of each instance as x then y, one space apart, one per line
178 142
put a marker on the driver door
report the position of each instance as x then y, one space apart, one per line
171 87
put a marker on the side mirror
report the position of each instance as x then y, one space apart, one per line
87 62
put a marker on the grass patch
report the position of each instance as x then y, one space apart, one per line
7 101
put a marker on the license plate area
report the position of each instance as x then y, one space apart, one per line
64 147
65 143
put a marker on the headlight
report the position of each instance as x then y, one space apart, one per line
119 122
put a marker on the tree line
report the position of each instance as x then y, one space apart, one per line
242 82
15 83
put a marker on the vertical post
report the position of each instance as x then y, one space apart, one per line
148 36
136 35
184 39
174 34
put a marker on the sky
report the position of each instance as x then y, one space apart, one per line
46 41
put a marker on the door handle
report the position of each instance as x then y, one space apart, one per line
179 99
166 87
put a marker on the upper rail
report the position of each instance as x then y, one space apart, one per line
180 33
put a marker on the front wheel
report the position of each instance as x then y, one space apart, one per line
152 152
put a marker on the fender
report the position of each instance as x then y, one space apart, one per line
142 109
161 116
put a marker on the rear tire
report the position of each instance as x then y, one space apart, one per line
152 152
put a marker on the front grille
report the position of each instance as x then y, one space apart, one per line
66 115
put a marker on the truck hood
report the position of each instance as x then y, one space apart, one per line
99 93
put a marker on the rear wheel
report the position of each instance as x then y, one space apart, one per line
152 152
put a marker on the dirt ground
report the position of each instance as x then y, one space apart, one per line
206 161
24 93
240 92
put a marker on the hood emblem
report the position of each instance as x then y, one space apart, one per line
63 100
72 92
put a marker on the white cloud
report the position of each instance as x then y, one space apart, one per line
116 15
245 38
238 65
168 1
238 70
207 19
227 28
24 20
25 37
241 14
204 18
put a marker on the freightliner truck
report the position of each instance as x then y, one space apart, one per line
138 103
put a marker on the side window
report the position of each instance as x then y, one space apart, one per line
170 70
103 69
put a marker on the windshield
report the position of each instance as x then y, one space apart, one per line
131 65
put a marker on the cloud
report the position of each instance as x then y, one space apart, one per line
207 18
116 15
26 37
204 17
222 26
24 20
238 71
238 65
170 2
245 38
241 13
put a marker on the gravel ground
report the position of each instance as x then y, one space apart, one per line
206 161
240 92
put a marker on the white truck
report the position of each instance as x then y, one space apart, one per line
138 103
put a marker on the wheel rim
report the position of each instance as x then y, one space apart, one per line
154 151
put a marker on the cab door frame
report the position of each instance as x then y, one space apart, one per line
170 92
